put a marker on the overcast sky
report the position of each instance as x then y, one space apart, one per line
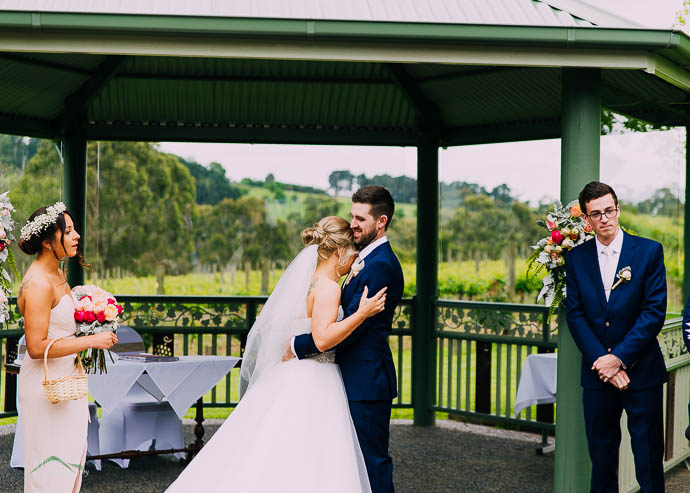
634 164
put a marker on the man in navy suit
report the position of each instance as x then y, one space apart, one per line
614 319
365 357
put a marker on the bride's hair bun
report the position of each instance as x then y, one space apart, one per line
313 236
330 234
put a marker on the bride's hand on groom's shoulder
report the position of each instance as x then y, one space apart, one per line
374 305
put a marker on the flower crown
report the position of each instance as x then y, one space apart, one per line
42 221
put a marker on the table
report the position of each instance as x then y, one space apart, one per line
537 382
537 385
179 383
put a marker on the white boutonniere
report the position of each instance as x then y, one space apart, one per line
624 275
357 266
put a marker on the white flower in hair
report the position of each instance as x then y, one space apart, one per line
42 221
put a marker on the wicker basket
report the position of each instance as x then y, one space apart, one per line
70 387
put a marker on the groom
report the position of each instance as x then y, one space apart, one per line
365 357
616 306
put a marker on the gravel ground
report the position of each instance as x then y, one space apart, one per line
451 457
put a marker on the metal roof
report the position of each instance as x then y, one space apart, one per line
503 12
326 81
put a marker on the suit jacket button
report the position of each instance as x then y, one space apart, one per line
607 323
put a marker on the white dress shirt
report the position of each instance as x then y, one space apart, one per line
362 254
608 256
372 246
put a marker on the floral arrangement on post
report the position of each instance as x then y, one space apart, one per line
6 255
95 311
567 229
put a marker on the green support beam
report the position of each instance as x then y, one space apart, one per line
686 223
580 133
74 194
424 347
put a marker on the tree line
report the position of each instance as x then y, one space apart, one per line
153 213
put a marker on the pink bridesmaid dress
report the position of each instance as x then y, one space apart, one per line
52 430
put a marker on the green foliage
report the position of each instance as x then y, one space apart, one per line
663 202
612 123
212 185
16 151
142 216
150 214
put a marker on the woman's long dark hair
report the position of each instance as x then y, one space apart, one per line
35 244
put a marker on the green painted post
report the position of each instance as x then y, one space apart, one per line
74 193
424 345
580 134
686 223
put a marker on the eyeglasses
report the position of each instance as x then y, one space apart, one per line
608 213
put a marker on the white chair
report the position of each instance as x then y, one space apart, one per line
17 458
139 421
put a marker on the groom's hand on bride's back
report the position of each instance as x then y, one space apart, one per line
288 355
374 305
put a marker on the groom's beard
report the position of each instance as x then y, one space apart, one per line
366 238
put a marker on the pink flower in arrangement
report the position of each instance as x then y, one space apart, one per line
89 317
550 225
557 237
119 309
588 228
111 301
79 315
2 246
100 316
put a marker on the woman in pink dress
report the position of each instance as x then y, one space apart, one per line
54 434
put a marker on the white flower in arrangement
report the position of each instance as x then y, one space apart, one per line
95 311
42 221
567 229
6 255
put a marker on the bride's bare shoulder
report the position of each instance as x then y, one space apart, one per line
321 288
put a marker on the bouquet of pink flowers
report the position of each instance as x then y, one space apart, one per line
6 255
567 229
95 311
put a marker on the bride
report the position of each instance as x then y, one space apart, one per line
292 429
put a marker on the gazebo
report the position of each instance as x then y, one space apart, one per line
428 73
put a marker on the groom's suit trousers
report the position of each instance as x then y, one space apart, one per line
372 420
644 410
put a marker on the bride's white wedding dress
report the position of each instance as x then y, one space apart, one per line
292 430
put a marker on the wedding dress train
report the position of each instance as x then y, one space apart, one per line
291 432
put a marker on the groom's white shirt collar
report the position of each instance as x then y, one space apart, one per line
616 245
372 246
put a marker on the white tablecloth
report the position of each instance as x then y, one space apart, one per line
180 383
538 381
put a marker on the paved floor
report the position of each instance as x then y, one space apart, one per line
451 457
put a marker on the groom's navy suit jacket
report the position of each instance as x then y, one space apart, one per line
365 357
628 324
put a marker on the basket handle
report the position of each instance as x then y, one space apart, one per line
45 359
